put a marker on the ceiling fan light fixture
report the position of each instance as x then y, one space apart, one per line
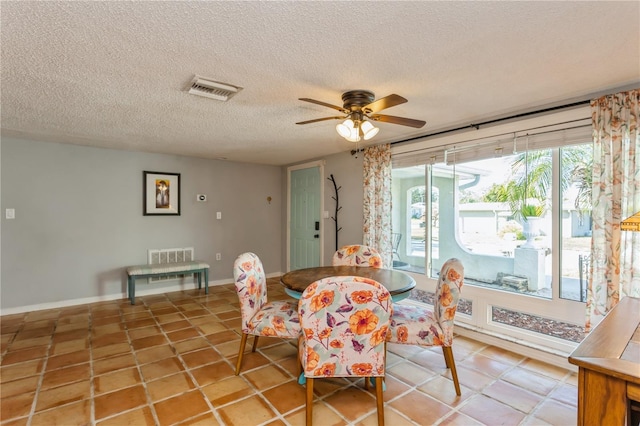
345 128
369 130
357 105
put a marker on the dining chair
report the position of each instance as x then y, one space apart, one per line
415 325
395 244
357 255
260 317
345 325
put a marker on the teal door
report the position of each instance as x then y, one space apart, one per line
304 227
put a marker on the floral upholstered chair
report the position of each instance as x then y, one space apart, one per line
357 255
414 325
345 325
259 317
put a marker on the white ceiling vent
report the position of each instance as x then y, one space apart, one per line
212 89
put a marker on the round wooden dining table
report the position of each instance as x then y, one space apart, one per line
398 283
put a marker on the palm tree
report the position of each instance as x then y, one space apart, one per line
531 184
579 161
528 191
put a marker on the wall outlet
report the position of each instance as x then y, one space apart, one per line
218 256
10 214
218 215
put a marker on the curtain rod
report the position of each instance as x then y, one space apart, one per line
497 120
492 139
519 134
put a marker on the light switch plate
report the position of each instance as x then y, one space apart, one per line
10 213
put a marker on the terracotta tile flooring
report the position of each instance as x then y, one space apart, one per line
170 360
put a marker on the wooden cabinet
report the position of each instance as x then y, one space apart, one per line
609 368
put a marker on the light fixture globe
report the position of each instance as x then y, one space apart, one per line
368 130
354 135
344 129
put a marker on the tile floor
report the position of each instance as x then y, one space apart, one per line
170 360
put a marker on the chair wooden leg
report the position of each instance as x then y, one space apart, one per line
366 382
243 342
255 344
451 364
380 400
309 420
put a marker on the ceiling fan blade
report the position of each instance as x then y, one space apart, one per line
398 120
321 119
383 103
313 101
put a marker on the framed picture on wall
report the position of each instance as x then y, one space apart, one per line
161 194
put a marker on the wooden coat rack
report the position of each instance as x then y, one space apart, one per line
336 188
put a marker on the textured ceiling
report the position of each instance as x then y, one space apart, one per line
115 74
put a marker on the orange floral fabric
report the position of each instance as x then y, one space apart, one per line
345 323
260 317
415 325
615 196
376 171
321 301
357 255
363 322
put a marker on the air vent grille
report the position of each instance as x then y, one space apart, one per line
212 89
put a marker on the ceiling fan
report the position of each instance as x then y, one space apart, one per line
360 106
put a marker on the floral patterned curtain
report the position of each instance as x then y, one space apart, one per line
616 196
377 200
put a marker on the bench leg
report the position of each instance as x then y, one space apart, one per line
199 273
132 290
206 281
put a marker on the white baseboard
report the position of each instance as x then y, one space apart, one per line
156 289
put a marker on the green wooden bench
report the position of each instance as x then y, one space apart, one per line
166 269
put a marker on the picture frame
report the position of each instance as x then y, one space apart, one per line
161 194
